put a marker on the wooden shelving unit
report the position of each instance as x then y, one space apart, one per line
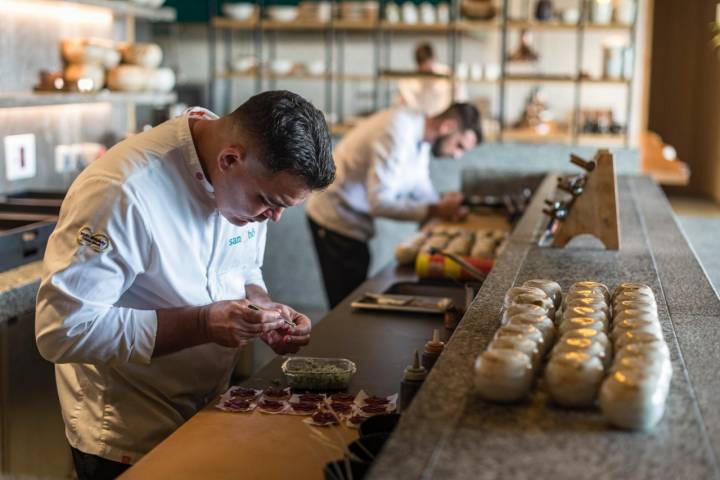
130 9
381 32
36 99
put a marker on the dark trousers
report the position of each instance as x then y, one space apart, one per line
344 262
92 467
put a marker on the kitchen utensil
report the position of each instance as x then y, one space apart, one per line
258 308
403 303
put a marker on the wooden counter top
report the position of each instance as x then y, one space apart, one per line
222 445
215 444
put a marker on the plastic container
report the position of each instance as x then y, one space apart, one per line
311 373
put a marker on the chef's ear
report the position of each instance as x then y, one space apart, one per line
230 157
448 126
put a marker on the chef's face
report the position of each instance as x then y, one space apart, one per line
246 191
454 144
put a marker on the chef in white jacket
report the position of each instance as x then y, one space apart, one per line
149 276
383 170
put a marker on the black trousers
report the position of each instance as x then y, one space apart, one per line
92 467
344 262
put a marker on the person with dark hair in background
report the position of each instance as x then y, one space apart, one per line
383 170
432 92
152 281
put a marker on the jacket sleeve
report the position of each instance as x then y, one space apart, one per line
385 177
99 247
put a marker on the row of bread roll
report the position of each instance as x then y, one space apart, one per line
578 362
461 244
407 251
633 396
505 371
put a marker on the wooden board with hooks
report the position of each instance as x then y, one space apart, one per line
594 210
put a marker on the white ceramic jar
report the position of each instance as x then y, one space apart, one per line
573 378
521 344
515 292
631 287
541 322
591 285
637 324
596 303
550 287
589 346
524 331
636 304
636 296
503 375
518 308
599 315
392 12
602 11
648 313
575 323
634 400
629 337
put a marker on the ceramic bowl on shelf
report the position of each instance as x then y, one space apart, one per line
87 77
85 51
283 13
478 9
316 67
281 66
147 55
127 78
245 64
160 80
239 11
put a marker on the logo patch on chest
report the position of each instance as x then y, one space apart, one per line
97 241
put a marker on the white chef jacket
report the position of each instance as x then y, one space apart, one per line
431 96
382 170
138 231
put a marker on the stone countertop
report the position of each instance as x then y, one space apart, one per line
450 433
18 288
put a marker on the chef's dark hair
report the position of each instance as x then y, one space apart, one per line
467 116
290 134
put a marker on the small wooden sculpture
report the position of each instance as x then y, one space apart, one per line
593 208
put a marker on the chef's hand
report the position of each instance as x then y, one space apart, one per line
288 339
449 207
233 323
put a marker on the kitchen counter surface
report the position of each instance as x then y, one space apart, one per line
18 288
450 433
216 444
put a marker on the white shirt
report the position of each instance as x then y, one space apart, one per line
382 170
138 231
431 96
